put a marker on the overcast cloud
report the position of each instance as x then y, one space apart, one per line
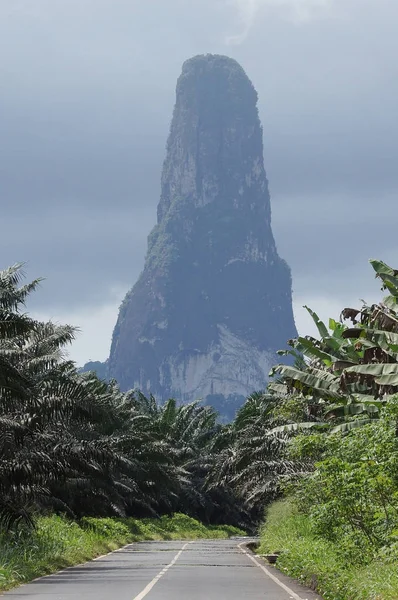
87 91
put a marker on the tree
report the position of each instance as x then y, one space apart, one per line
349 371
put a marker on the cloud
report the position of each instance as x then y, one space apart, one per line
88 89
297 10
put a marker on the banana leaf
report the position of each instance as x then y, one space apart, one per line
390 380
350 425
308 348
316 379
297 427
323 331
351 409
375 370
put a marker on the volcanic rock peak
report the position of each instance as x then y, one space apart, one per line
214 300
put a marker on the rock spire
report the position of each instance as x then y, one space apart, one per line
213 302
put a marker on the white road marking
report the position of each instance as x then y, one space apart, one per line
111 552
268 573
154 581
20 585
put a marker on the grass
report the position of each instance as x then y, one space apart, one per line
57 542
319 563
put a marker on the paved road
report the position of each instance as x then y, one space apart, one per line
200 570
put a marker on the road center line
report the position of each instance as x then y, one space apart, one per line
268 573
154 581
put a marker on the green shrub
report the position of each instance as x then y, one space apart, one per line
352 496
107 528
320 563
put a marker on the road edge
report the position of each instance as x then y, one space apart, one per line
294 588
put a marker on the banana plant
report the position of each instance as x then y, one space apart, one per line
352 369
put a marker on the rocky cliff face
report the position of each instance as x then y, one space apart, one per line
213 302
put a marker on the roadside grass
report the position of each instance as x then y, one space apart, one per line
57 542
320 564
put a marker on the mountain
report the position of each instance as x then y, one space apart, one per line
213 302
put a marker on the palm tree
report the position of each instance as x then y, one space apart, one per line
253 461
60 431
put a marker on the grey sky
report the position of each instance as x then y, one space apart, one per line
87 90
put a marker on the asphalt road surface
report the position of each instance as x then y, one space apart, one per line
200 570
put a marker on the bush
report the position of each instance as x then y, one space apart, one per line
320 564
352 496
107 528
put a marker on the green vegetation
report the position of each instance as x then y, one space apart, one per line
162 247
110 467
339 529
56 542
73 444
324 435
320 563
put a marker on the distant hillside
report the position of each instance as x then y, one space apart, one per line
101 368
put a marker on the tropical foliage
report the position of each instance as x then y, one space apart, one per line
325 432
72 443
346 503
351 369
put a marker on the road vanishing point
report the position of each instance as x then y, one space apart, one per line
198 570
